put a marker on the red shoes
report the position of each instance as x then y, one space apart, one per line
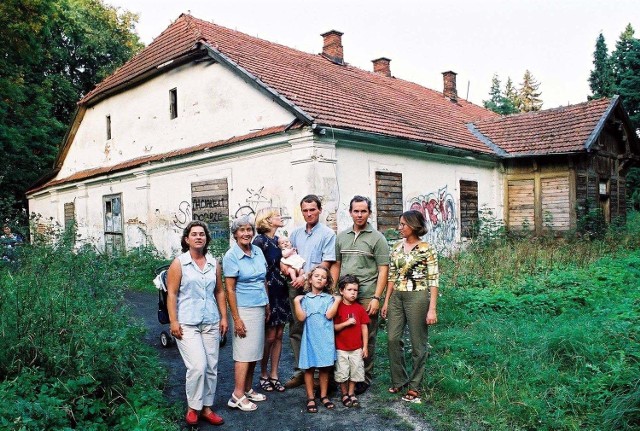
212 418
192 418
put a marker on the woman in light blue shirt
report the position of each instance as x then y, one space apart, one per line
245 271
197 319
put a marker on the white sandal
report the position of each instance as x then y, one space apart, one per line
237 403
255 396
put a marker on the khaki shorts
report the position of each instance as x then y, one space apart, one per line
349 366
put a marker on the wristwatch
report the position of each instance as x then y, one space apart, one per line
376 297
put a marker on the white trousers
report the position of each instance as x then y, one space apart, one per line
199 349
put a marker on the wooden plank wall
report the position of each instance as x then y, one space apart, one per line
388 200
69 214
210 204
555 203
521 204
468 207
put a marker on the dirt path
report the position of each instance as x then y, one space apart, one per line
282 411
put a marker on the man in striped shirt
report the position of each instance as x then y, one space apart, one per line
364 252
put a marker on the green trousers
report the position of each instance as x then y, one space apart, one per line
407 309
373 333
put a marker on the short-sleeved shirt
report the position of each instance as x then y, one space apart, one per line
250 272
350 338
360 255
315 247
415 270
317 347
196 300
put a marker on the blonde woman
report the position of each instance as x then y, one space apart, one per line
268 220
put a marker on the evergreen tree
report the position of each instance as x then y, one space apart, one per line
601 77
51 53
529 96
625 61
498 101
511 94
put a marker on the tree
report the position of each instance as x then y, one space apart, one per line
601 77
511 94
529 96
625 62
498 101
51 53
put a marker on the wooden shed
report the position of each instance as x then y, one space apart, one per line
560 162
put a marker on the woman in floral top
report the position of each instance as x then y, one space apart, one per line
412 295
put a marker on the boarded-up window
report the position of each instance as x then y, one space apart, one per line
388 200
521 204
69 214
210 202
113 223
468 207
555 203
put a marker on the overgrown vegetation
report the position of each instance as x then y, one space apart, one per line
71 358
538 334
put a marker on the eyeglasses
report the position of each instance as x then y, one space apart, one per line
401 225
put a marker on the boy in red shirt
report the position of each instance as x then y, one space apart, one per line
352 337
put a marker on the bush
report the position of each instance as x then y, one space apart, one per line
71 357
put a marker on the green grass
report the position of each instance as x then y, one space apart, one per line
537 335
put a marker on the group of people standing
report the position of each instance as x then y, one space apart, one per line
330 293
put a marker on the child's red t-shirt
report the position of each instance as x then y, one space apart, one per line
350 338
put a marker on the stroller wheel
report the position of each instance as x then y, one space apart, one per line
165 339
223 340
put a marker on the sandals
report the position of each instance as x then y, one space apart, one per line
312 407
346 401
412 397
354 401
266 385
326 402
238 403
394 390
255 396
276 385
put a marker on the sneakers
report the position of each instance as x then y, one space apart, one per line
295 381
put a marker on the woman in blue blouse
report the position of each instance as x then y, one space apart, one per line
197 315
245 270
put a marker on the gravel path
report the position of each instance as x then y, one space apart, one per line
282 411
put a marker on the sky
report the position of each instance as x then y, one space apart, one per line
553 39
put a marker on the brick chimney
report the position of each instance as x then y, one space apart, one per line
381 66
450 91
332 48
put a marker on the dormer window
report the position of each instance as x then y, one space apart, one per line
108 127
173 103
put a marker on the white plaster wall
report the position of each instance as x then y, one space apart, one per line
213 104
421 176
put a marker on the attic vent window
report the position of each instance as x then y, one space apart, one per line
173 103
108 127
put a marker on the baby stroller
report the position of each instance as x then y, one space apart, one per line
160 281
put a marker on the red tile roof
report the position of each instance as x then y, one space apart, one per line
562 130
335 95
129 164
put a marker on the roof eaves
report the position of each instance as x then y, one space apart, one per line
596 130
279 98
485 140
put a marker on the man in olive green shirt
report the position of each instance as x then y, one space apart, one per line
364 252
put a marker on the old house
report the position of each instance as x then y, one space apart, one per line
210 123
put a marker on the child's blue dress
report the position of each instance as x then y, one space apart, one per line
318 347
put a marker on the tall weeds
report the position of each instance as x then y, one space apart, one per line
71 358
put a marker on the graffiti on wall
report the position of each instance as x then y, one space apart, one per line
183 216
255 201
439 209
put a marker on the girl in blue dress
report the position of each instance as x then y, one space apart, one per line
318 349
